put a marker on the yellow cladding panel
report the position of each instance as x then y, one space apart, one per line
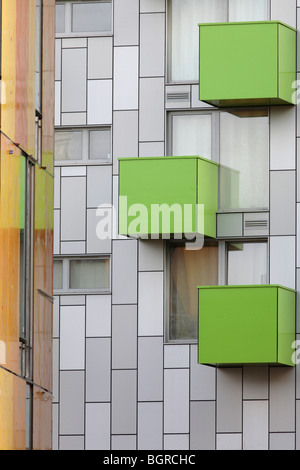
8 67
12 412
31 76
10 203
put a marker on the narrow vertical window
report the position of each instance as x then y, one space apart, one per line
187 270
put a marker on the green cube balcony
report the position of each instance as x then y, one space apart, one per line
168 197
246 325
247 64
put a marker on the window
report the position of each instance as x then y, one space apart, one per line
83 145
91 17
244 162
247 263
192 134
183 19
234 263
239 141
188 269
81 274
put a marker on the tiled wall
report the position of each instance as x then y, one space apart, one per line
117 384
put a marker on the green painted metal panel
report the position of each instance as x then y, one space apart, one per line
246 325
286 325
251 63
286 62
160 196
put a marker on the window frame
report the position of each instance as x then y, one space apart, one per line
66 290
168 71
215 145
222 275
68 21
85 146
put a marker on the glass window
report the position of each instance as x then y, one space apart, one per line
189 269
247 263
68 145
89 274
83 144
100 144
191 135
91 16
243 10
57 274
244 150
22 297
60 18
183 19
184 16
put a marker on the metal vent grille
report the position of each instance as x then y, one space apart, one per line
256 224
183 96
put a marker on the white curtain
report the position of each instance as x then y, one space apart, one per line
191 135
244 155
185 16
184 31
89 274
247 264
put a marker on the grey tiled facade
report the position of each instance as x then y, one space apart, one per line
118 382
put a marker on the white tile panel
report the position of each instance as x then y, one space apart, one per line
282 261
72 334
282 138
72 248
99 185
255 425
73 204
126 22
176 441
152 45
97 434
95 244
229 441
150 306
100 57
73 80
73 119
98 315
125 78
284 11
99 109
176 355
176 401
147 6
151 117
150 423
57 103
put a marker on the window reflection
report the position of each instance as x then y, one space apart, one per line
189 269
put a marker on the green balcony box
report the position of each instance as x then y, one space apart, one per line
246 325
247 64
168 197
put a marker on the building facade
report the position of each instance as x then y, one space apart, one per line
26 223
132 119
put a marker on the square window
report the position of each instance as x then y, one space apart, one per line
68 145
91 16
72 18
85 145
89 274
73 275
247 263
100 144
